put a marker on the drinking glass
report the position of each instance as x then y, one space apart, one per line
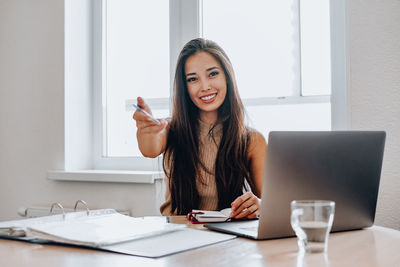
312 221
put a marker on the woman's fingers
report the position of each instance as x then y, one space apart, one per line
140 116
137 115
142 104
250 212
237 203
143 120
247 205
145 126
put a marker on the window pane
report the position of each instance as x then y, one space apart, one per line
123 142
261 39
315 47
290 117
137 64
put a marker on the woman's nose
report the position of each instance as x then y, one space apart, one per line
205 85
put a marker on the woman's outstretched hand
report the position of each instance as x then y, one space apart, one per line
246 206
151 136
143 122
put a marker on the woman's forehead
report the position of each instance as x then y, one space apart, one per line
201 61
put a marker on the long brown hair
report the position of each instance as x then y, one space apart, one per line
181 157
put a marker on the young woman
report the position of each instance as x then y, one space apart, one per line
210 157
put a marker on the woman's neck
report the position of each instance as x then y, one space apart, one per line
209 117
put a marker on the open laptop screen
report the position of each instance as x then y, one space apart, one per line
343 166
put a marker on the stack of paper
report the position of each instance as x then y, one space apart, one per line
100 230
111 231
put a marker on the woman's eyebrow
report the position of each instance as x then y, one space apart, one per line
194 73
212 68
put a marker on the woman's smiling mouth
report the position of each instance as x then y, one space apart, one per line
208 98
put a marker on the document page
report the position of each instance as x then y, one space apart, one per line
100 230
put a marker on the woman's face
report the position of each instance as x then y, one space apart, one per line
206 83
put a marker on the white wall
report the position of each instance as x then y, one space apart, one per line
374 38
32 106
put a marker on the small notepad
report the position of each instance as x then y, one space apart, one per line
206 216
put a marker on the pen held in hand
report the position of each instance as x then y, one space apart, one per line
147 114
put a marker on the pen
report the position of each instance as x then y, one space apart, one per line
147 114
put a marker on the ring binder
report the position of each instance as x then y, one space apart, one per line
108 230
84 203
58 205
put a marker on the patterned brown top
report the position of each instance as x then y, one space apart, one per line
205 180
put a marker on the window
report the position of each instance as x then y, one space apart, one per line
280 50
281 54
136 63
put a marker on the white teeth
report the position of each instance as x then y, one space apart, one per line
208 97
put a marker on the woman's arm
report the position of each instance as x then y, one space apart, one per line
151 137
248 204
257 154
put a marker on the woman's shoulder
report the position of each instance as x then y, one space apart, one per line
256 136
257 142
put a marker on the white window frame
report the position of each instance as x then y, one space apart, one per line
182 13
84 155
340 65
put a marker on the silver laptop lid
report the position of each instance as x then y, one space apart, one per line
343 166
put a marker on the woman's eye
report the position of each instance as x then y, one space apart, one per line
191 79
214 73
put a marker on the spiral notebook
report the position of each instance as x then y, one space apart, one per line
106 229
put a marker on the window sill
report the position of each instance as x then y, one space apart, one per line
142 177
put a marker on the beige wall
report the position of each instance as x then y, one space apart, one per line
374 39
32 117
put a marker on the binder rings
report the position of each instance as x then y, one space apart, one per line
106 229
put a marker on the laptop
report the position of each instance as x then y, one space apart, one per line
343 166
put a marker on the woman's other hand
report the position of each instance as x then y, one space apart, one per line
246 206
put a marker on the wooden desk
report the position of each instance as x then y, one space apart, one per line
375 246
